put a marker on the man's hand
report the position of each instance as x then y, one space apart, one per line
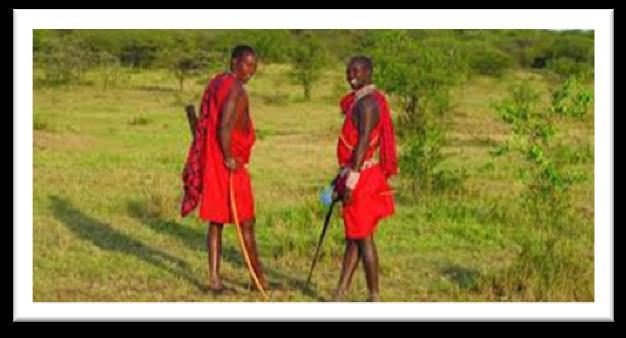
232 164
351 182
339 184
347 196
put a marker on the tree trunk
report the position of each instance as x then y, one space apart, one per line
307 91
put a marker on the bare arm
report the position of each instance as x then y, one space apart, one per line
227 121
367 117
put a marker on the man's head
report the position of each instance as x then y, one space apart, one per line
243 62
359 71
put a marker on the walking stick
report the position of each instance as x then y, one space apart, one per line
322 235
233 206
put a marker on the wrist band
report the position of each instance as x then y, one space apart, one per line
353 179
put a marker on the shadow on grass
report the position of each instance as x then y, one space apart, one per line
105 237
196 240
465 278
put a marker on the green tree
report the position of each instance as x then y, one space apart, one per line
419 69
307 58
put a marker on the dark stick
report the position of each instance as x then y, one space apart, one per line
319 244
191 118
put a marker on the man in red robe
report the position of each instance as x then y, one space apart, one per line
362 183
223 139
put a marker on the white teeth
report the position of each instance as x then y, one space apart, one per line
354 82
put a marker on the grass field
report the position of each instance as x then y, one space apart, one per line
107 189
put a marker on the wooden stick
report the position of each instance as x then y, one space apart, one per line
191 118
233 206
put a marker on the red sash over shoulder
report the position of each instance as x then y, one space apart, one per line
372 197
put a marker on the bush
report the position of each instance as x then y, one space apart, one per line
487 60
572 99
568 67
545 262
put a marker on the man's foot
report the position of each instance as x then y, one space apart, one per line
374 297
216 286
339 295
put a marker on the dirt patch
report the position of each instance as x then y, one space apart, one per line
43 140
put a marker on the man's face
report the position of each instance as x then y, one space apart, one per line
357 75
245 67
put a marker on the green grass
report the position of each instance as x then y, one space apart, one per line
107 189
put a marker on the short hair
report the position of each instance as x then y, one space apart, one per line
364 60
241 50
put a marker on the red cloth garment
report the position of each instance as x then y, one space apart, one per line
206 178
372 197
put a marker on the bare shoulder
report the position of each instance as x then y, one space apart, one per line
368 104
237 88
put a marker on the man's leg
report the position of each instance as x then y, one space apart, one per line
250 242
368 251
350 262
214 246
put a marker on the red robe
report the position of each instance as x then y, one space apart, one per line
205 176
372 197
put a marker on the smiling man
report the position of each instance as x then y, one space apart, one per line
362 183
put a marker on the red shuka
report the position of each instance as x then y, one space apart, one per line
372 197
205 177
